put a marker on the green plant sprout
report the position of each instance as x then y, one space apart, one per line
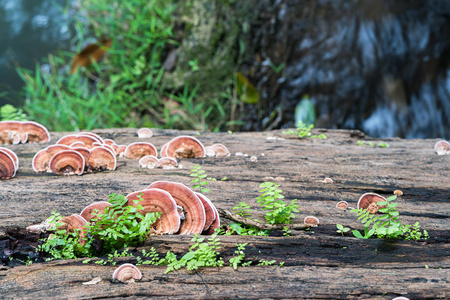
243 209
237 260
341 229
241 229
10 113
304 131
271 199
263 262
286 231
388 224
199 181
380 144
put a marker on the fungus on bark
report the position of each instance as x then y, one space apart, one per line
185 147
140 149
310 220
144 133
37 133
210 216
102 158
127 273
214 225
42 158
220 150
149 162
158 200
163 152
209 151
73 223
13 156
67 162
442 147
194 211
86 154
168 163
90 211
120 150
68 140
7 165
369 201
342 205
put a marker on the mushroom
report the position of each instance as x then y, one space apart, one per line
194 211
109 147
342 205
109 142
215 224
88 140
90 211
102 158
120 150
220 150
73 223
140 149
77 144
310 220
127 273
209 151
369 201
7 165
185 147
149 162
168 163
67 162
13 156
144 133
37 133
442 147
163 152
86 154
94 135
8 130
398 193
158 200
42 158
209 211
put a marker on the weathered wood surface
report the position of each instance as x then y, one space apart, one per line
319 265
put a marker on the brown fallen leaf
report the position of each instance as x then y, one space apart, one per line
92 52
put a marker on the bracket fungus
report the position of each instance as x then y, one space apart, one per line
194 210
144 133
185 147
13 156
7 165
149 162
15 132
42 158
140 149
127 273
214 225
163 152
369 201
209 210
102 158
67 162
168 163
73 223
442 147
97 207
88 140
158 200
310 220
220 150
342 205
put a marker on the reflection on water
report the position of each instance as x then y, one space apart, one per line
29 30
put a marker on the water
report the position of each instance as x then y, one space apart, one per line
29 31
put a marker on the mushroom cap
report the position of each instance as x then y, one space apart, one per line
109 142
185 147
127 273
88 140
73 223
88 212
215 224
13 156
342 205
15 138
209 151
77 144
140 149
194 211
102 158
7 165
220 150
23 137
144 133
8 129
209 210
42 158
37 133
120 150
110 148
168 163
163 152
442 147
369 201
311 220
94 135
67 162
157 200
86 154
149 161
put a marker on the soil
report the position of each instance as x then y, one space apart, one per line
318 263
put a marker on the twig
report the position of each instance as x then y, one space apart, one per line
234 217
206 285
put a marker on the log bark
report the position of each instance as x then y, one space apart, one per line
319 263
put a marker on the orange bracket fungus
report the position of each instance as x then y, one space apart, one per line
144 133
220 150
442 147
168 163
127 273
215 224
37 133
72 223
13 156
67 162
102 158
369 201
342 205
120 150
163 152
140 149
88 140
97 207
15 132
42 158
310 220
158 200
209 210
149 162
185 147
7 165
194 210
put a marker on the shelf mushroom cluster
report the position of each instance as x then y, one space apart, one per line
442 148
17 132
368 201
77 154
9 163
